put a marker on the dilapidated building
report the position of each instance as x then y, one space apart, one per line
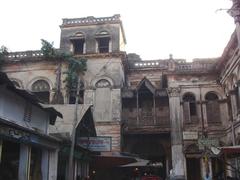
168 111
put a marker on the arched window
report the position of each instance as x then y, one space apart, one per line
41 89
189 108
78 43
103 42
73 94
212 107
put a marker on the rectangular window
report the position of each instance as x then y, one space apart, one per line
78 46
103 44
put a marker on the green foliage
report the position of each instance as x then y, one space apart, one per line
50 52
3 53
47 49
75 68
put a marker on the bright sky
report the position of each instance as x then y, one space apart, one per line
154 28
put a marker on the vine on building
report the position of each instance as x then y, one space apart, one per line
76 68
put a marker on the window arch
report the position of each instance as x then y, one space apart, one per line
103 39
41 89
212 107
189 108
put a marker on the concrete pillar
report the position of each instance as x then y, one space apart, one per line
53 163
24 162
45 164
178 158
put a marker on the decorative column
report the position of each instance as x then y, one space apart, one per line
178 159
235 13
24 162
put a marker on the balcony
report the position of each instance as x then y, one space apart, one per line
147 120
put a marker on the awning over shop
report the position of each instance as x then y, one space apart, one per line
231 151
143 163
111 160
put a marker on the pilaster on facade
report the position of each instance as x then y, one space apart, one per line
178 159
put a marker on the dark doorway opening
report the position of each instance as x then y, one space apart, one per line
193 168
10 161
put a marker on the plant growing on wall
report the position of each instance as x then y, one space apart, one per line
47 49
76 68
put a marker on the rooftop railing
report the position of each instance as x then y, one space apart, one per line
91 20
175 65
24 54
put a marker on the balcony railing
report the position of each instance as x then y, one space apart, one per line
145 118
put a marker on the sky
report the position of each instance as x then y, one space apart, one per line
154 28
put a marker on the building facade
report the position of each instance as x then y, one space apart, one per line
168 111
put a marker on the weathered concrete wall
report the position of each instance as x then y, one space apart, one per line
112 129
90 36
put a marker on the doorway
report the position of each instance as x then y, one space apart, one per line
193 169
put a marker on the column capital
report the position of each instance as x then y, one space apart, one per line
235 10
173 91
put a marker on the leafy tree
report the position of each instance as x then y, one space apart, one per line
47 49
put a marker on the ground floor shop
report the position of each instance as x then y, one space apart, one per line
25 154
81 160
153 147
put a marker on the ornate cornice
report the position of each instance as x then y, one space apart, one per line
173 91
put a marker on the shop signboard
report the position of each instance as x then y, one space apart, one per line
24 136
207 142
190 135
97 144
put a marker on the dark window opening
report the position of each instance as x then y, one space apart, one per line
41 89
236 91
164 81
213 108
78 46
9 164
190 99
35 164
73 95
43 96
103 44
189 108
193 110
